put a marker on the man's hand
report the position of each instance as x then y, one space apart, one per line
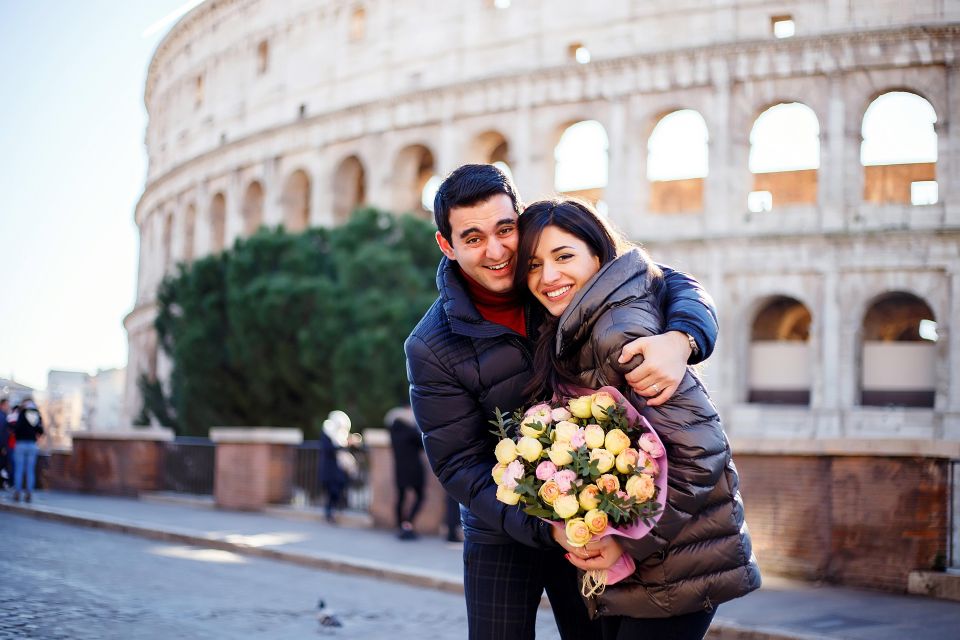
601 554
664 364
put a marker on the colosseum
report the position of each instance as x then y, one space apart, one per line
797 156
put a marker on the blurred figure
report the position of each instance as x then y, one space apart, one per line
407 467
333 478
6 476
28 427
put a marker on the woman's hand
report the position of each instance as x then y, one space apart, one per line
560 535
664 365
601 554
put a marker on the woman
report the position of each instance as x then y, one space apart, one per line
599 294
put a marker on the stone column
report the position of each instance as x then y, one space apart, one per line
834 169
616 193
254 466
233 224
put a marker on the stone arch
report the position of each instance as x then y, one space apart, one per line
413 169
490 147
784 157
678 161
898 352
349 188
898 149
218 223
189 231
582 157
252 208
780 359
295 201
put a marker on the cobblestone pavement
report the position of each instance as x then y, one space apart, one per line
60 581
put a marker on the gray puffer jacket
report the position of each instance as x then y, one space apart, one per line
699 553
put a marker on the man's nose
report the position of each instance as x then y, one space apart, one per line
496 249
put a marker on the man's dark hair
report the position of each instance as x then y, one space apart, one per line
469 185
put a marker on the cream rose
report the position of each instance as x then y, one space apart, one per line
549 492
507 496
559 453
559 414
594 435
640 487
596 520
588 497
616 441
566 506
581 407
564 430
529 448
608 483
497 472
578 533
627 461
600 402
506 451
605 459
533 429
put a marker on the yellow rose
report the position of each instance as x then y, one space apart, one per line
605 459
588 497
594 435
616 441
529 448
507 496
498 470
578 533
601 401
549 492
566 506
608 483
581 407
563 431
559 453
533 426
506 451
596 520
640 487
627 461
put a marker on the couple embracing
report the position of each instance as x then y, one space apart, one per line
534 299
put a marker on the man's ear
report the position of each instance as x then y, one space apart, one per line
445 247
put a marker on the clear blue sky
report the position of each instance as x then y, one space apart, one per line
72 165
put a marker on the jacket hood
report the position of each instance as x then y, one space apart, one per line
619 281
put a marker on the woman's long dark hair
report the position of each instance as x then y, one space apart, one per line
581 220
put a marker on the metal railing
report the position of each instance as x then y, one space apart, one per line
188 465
306 481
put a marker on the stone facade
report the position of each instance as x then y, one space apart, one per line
294 114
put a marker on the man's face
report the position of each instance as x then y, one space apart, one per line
484 242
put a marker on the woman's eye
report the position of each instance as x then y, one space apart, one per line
534 266
564 256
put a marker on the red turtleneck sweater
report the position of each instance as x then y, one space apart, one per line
502 308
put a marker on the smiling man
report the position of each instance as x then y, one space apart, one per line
470 355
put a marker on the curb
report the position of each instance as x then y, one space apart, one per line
720 630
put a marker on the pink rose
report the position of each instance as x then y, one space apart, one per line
622 495
578 439
545 470
512 475
648 465
565 479
651 446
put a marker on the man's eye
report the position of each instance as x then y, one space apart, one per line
505 231
471 241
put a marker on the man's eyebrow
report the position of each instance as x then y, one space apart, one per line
500 223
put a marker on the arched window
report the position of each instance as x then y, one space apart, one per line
677 162
349 188
582 161
296 202
189 232
899 150
414 171
218 223
899 352
779 353
490 147
784 157
252 208
358 24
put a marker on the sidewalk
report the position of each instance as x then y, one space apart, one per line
782 609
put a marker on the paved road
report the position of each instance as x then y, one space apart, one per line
59 581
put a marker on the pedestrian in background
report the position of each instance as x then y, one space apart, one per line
407 444
6 476
28 427
333 478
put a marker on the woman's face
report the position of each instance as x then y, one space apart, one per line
561 264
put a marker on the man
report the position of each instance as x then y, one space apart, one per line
471 354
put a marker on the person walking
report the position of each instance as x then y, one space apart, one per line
407 445
28 427
6 477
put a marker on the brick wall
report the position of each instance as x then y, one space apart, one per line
854 520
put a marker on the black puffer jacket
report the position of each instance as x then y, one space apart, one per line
699 553
462 367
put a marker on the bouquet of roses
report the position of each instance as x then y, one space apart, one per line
590 462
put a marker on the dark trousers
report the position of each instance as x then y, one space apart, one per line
408 515
690 626
503 584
